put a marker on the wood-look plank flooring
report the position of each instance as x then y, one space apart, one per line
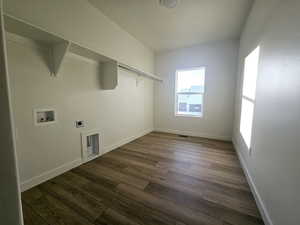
158 179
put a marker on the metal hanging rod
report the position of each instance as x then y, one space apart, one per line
139 72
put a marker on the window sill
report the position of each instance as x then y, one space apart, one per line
191 116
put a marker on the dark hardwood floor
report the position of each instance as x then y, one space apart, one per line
157 179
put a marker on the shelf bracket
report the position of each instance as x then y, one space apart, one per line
59 52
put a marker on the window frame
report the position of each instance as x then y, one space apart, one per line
246 98
196 93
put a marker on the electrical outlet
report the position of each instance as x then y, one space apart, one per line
79 123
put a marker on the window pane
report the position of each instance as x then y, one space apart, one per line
250 74
191 80
246 121
189 104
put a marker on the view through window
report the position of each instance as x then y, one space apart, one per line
190 92
248 98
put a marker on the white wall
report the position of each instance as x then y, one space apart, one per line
220 59
274 162
121 114
10 204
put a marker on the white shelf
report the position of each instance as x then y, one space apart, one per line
60 47
88 53
25 29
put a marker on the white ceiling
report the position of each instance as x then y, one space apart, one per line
191 22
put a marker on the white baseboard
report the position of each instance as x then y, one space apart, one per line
127 140
49 174
261 206
194 134
70 165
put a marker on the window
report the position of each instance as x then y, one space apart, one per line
190 92
248 96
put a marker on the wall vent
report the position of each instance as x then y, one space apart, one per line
91 143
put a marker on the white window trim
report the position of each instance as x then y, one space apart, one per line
201 93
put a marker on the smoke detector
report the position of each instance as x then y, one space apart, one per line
168 3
